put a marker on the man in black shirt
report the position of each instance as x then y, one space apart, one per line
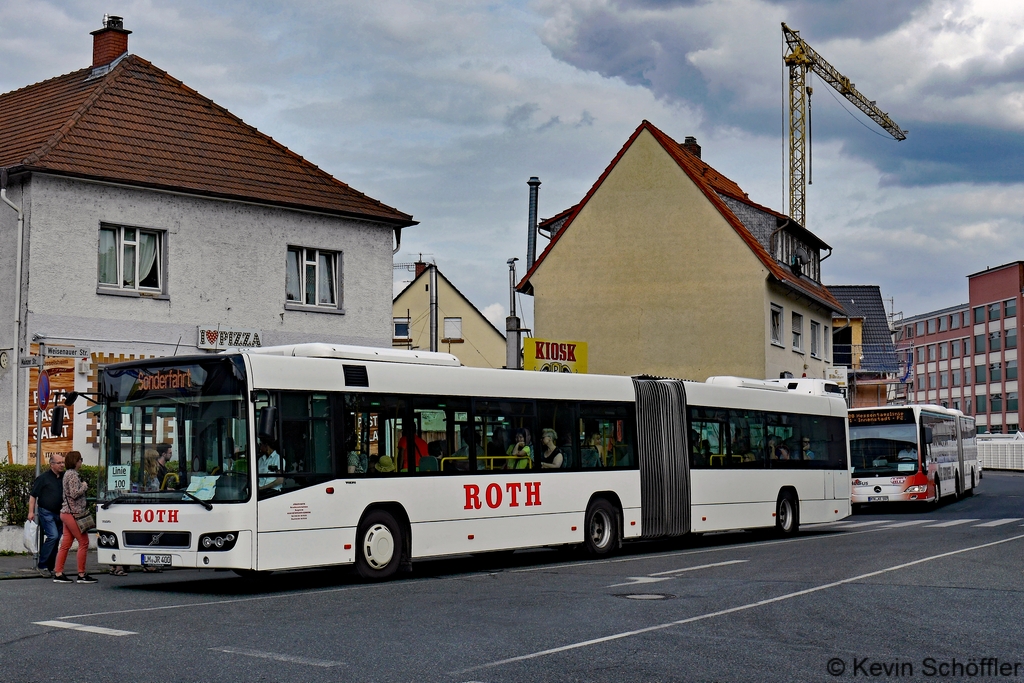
44 503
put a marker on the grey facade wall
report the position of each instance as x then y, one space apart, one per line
225 265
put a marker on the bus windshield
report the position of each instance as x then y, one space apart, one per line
883 450
174 431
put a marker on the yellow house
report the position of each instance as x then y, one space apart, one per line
462 330
667 268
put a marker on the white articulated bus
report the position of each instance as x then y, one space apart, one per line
315 455
912 453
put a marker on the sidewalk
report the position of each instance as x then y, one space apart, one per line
23 566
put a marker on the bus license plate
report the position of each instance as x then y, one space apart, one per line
156 560
877 499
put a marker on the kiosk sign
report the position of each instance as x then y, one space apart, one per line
548 355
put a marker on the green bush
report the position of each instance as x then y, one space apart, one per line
16 485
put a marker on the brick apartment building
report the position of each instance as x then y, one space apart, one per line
965 356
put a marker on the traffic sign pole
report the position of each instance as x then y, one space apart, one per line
39 411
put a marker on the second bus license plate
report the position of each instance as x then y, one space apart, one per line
156 560
877 499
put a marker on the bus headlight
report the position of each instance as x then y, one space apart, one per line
221 540
106 539
919 488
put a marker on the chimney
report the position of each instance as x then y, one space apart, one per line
420 267
109 42
691 146
531 236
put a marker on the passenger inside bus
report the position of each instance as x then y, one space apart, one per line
522 454
420 450
590 454
551 456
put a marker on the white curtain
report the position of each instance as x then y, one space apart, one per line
108 257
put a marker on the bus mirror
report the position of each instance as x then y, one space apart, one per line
57 424
928 435
268 423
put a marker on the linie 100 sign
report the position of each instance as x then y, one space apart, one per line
550 355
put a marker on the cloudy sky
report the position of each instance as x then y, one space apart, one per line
444 110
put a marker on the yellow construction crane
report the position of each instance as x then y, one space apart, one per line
801 58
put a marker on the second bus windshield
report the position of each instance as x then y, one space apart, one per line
883 450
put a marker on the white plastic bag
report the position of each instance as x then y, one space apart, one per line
31 536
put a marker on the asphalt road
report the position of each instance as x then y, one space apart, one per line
922 590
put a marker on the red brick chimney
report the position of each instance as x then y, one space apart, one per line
691 146
109 42
420 267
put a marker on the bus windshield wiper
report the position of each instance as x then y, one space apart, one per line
205 503
141 495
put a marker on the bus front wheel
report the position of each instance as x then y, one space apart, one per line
601 528
787 515
380 546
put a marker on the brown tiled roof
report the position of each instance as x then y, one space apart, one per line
710 183
138 125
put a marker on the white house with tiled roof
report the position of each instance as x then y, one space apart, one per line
666 267
155 222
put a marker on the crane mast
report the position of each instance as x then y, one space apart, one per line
801 58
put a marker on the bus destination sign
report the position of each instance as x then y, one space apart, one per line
891 416
164 380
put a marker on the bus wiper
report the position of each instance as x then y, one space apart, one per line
204 503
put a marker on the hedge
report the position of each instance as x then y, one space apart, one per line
16 485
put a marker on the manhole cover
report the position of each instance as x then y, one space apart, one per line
646 596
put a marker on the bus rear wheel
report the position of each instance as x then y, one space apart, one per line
787 515
380 543
601 528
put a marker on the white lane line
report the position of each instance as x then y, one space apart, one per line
912 522
665 576
701 551
999 522
732 610
954 522
82 627
291 659
702 566
874 521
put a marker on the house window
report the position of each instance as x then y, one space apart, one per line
967 346
776 322
979 343
401 328
1010 307
311 277
920 354
931 380
931 325
1011 370
827 341
995 371
131 259
910 331
954 321
994 311
1011 404
931 352
1011 338
815 339
956 378
955 348
979 314
943 380
942 323
920 329
967 318
996 403
798 332
980 400
994 341
979 374
943 351
452 329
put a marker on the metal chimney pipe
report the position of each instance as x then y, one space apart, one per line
531 240
433 307
513 333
